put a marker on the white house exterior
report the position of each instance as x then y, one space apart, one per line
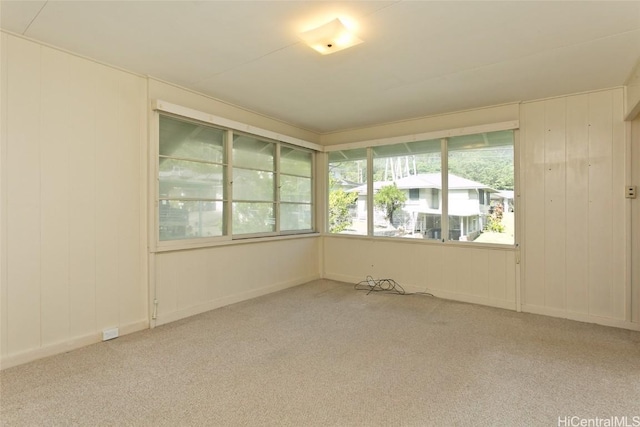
469 203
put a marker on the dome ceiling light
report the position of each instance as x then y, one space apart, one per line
330 37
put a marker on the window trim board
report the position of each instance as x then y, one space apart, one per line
178 110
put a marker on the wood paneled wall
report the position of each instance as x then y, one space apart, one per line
195 281
472 274
575 223
635 221
74 192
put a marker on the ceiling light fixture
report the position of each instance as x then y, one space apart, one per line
330 37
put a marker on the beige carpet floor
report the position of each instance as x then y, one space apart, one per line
324 354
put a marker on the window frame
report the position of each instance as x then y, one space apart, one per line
359 157
444 136
225 178
232 178
230 127
312 181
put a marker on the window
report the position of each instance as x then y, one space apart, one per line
296 192
410 189
254 184
481 166
191 180
216 183
348 191
405 178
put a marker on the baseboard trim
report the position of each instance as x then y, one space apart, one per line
509 305
473 299
454 296
66 346
581 317
231 299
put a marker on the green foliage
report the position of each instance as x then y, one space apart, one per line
491 166
389 198
253 218
339 203
495 220
354 171
494 225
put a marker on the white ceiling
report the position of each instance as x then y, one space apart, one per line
419 57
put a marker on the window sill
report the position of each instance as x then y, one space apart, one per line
194 244
450 243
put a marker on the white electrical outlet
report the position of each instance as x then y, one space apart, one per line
630 192
109 334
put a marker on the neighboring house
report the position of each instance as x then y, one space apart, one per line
469 203
343 184
504 198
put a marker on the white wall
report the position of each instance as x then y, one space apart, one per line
576 221
471 274
194 281
73 201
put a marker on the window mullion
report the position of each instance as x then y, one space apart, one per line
229 183
313 191
277 189
326 204
370 191
444 166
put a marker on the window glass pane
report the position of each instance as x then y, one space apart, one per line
295 162
295 189
193 173
253 218
253 185
252 153
190 219
348 192
481 188
191 165
408 190
295 217
190 141
185 179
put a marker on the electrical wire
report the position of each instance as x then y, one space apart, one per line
384 285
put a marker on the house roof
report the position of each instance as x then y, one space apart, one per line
427 180
434 180
505 194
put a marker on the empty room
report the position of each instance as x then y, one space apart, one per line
309 213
